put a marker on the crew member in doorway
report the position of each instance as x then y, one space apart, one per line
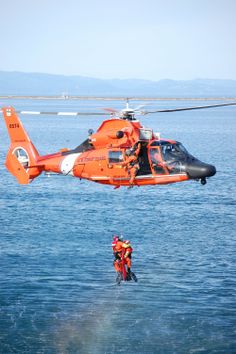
132 163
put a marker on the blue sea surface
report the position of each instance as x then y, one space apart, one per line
57 282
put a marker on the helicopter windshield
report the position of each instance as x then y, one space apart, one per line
173 152
174 156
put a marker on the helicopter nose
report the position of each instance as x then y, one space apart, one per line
200 170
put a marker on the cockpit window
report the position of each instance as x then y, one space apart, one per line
172 152
115 156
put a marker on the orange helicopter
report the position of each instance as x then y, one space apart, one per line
104 156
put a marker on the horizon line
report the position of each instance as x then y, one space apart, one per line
114 78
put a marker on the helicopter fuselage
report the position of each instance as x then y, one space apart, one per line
101 158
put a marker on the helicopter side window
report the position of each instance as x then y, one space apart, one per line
115 156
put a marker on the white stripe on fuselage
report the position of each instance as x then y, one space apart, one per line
67 164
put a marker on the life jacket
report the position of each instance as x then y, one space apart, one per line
128 249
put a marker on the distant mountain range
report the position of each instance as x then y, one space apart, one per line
32 84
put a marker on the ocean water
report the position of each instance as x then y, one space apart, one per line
57 283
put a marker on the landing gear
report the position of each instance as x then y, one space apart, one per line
203 181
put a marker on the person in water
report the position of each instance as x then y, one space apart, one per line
117 247
121 250
127 254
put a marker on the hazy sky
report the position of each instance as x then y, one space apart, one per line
149 39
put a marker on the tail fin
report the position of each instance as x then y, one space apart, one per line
21 160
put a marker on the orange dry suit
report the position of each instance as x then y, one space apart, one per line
117 249
132 164
127 254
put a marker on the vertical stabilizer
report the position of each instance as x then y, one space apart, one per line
21 160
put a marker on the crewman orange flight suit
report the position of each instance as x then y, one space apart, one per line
133 164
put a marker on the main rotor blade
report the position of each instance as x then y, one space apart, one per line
64 113
138 108
190 108
111 110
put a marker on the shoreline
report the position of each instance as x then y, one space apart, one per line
117 98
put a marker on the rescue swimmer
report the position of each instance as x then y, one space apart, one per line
122 251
